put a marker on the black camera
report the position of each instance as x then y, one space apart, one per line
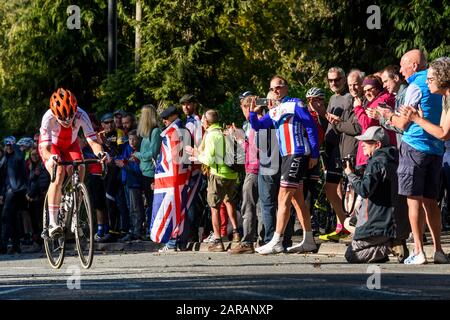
350 159
263 102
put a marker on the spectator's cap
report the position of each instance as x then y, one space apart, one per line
373 82
26 142
107 117
171 110
119 111
188 98
245 95
315 92
375 133
10 140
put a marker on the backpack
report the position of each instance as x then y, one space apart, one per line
234 156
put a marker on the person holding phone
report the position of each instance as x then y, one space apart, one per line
291 118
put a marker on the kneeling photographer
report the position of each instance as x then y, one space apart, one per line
378 187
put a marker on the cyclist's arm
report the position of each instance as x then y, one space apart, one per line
96 147
45 151
45 137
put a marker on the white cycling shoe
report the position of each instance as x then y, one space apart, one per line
54 230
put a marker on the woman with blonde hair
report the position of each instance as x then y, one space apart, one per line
150 146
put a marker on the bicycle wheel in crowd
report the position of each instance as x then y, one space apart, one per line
54 247
84 231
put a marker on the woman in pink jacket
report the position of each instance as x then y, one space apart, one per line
367 116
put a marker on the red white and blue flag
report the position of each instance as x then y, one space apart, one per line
172 192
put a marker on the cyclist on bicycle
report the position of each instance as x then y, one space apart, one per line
58 142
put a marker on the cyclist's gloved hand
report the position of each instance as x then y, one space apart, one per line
50 163
104 156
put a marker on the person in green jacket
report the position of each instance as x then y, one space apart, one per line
148 153
222 179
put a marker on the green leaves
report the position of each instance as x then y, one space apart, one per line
214 49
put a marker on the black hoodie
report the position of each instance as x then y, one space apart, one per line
378 187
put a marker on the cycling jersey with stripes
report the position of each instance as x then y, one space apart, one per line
291 119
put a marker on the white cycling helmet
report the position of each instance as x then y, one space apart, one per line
315 92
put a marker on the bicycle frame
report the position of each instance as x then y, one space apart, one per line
74 194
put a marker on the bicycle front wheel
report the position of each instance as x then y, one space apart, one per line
84 228
54 247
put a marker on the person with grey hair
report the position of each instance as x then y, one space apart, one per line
378 187
340 102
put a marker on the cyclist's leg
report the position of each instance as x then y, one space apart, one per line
54 190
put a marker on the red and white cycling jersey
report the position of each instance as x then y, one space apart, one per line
51 132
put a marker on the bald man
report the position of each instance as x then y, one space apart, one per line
420 158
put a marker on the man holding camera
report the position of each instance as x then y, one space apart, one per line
378 187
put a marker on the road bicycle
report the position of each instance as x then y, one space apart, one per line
75 217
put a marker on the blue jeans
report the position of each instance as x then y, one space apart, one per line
268 187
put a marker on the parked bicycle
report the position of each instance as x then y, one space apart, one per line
75 216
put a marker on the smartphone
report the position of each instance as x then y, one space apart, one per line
262 102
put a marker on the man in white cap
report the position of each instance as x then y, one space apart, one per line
378 187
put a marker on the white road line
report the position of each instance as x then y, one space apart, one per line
12 290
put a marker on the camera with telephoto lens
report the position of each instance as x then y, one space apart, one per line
351 160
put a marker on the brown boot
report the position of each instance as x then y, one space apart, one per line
236 237
400 250
242 248
216 246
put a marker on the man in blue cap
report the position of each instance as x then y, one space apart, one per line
115 197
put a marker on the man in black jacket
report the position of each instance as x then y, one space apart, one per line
378 188
13 196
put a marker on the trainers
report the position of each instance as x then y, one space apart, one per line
54 230
210 238
334 236
236 237
103 239
99 238
167 249
242 248
216 246
416 259
440 258
303 247
271 248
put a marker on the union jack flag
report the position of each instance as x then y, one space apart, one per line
172 193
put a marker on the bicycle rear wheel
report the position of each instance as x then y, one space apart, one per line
54 247
84 230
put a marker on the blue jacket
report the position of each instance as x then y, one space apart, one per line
14 172
291 120
431 105
131 173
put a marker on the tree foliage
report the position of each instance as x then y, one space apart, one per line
214 49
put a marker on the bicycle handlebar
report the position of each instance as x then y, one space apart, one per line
76 163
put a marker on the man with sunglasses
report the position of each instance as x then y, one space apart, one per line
299 153
340 103
58 141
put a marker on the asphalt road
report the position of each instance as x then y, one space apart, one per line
218 276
